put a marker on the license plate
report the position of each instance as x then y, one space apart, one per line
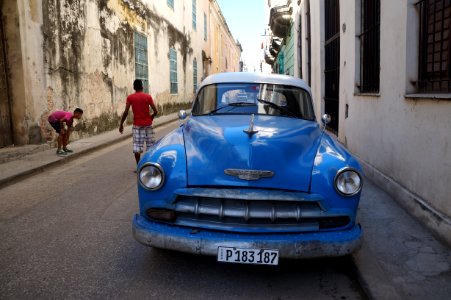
248 256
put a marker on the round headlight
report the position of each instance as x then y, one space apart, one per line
151 176
348 182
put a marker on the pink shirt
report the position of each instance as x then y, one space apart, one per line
60 115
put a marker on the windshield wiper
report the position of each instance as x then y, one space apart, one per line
279 108
233 104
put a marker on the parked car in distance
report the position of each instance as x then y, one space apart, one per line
250 177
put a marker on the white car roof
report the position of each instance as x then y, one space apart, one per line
245 77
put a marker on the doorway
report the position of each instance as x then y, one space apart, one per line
332 64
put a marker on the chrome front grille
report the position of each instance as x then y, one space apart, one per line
253 215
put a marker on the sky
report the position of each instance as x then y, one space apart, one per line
246 21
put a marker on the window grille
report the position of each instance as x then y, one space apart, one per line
370 46
171 3
141 64
194 75
173 70
434 74
194 15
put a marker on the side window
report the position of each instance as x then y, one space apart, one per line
206 100
141 64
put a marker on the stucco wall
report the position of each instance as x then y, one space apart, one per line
405 139
225 52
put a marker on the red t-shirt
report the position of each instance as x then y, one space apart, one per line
140 102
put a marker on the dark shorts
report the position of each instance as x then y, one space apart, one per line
56 126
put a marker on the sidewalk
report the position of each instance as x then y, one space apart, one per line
22 162
399 258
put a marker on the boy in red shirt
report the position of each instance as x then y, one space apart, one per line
142 119
62 122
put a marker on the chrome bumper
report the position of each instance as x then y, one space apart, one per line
206 242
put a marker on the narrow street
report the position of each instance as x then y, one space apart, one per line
66 233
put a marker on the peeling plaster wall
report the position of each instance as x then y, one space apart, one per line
80 53
12 30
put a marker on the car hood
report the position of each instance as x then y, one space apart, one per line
279 155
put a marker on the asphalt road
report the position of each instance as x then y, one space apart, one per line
66 234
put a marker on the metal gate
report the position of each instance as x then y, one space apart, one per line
5 109
332 67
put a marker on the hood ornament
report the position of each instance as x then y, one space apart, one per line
250 131
249 174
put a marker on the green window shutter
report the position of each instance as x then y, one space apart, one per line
141 63
173 71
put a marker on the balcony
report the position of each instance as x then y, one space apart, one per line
276 43
279 20
269 59
273 51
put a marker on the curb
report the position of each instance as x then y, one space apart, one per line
371 276
4 182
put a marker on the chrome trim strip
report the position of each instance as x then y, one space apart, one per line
245 174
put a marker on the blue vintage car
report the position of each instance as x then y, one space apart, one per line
250 177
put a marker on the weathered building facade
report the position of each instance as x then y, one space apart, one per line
86 53
382 70
282 44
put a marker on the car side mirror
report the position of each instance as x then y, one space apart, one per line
326 119
182 114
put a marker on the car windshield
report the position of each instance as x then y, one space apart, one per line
252 98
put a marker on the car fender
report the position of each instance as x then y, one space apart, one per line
331 157
169 153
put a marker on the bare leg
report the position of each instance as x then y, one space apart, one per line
66 138
60 140
137 157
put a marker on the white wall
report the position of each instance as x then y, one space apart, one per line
406 140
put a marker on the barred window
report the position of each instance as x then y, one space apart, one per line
173 70
141 65
434 73
171 3
370 46
194 15
194 75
